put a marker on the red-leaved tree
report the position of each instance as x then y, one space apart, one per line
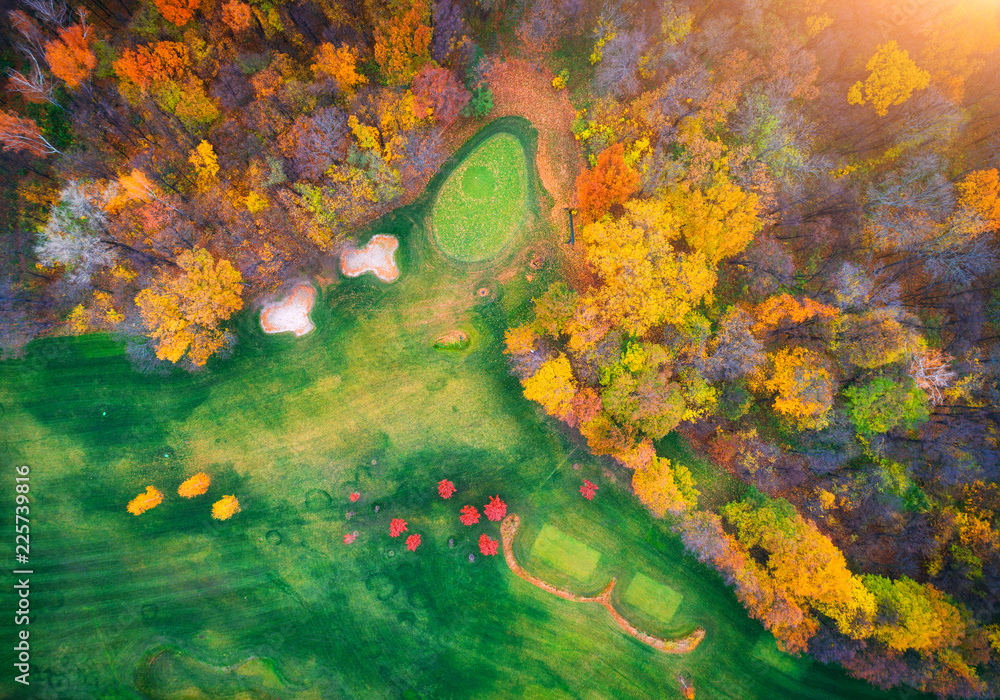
439 95
412 542
469 516
588 489
397 527
487 545
446 488
354 496
495 509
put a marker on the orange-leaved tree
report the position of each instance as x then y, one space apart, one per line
69 55
22 134
152 64
340 65
519 340
978 208
403 40
959 41
180 12
237 15
611 182
150 498
194 486
803 562
183 312
783 312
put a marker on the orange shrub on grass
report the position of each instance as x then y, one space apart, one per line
194 486
144 501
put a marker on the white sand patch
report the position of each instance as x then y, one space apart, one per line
291 314
377 257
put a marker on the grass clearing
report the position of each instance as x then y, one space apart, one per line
482 203
566 553
653 598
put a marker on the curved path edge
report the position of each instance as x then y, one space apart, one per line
681 645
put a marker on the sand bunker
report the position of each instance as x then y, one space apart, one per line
375 257
291 315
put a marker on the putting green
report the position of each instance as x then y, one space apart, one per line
482 204
568 554
653 598
478 182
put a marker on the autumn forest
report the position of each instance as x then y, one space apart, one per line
772 230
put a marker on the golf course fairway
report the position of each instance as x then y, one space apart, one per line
272 603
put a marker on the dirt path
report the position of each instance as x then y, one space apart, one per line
508 528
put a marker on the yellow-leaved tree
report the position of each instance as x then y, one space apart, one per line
205 163
892 78
978 208
664 487
914 615
183 312
803 562
802 384
225 508
552 386
645 281
719 220
519 340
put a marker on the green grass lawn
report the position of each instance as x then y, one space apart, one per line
566 553
766 651
272 603
654 599
483 202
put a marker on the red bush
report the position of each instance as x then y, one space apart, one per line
487 545
446 488
495 509
469 516
397 527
